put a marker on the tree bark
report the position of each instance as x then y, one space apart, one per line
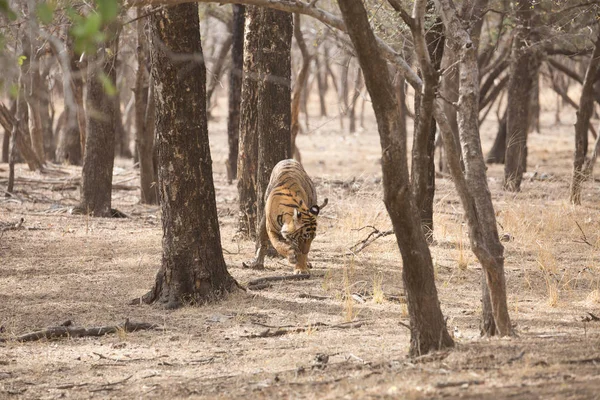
22 141
519 89
144 126
217 72
235 89
423 151
586 108
273 66
321 76
472 186
299 84
428 330
247 166
193 269
98 160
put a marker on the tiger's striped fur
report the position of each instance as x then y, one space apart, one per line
290 220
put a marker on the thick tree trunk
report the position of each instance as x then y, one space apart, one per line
235 89
498 150
193 270
428 329
247 166
273 66
98 160
586 108
519 92
472 186
299 84
144 126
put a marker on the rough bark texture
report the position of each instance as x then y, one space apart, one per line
274 69
428 330
98 161
217 72
586 108
299 84
235 89
423 151
472 186
519 89
247 166
193 269
144 127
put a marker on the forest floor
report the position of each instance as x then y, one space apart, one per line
294 339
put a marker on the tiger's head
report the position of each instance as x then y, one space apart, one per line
304 223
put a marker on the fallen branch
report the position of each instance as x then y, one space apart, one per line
590 318
592 360
373 236
262 283
274 331
442 385
62 331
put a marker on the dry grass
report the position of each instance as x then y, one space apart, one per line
71 267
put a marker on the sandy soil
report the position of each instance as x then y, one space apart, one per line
59 267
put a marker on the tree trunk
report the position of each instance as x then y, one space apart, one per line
321 84
299 84
144 124
247 166
273 66
217 73
235 89
70 148
47 118
22 141
5 146
498 150
18 128
98 160
352 111
7 129
472 186
519 93
31 79
586 108
428 329
423 151
193 269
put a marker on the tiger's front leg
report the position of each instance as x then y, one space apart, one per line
289 250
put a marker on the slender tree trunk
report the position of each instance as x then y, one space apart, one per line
472 186
217 73
274 99
498 150
7 128
47 118
423 151
5 146
321 85
18 128
144 126
98 160
352 111
586 108
235 89
30 68
519 93
428 329
299 84
248 141
193 270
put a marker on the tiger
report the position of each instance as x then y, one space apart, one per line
290 218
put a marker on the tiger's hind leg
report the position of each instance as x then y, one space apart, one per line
262 244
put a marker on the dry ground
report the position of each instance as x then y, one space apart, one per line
61 267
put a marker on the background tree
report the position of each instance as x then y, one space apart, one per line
193 268
235 88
